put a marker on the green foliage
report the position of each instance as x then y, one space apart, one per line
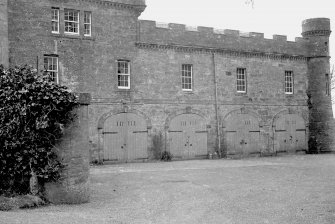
33 112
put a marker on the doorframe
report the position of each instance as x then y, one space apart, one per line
107 115
303 114
187 110
241 110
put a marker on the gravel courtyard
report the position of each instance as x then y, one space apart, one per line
286 189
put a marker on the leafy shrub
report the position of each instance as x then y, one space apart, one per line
33 112
166 156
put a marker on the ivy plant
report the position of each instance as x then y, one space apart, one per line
33 112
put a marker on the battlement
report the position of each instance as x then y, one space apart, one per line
128 2
172 33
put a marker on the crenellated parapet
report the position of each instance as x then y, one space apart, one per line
152 32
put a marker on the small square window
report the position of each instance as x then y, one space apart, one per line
123 74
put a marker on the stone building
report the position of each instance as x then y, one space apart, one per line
168 87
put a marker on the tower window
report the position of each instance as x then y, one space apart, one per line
327 85
241 80
289 82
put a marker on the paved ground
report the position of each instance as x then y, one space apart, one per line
288 189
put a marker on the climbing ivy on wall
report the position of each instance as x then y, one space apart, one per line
33 112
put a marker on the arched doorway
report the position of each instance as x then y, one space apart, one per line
242 134
125 138
188 136
289 133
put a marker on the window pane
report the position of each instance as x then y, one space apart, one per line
51 67
288 82
186 77
241 80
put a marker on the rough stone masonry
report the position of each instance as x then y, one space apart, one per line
169 87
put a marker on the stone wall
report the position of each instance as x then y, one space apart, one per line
73 150
156 53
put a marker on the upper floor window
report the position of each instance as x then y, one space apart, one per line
55 20
327 85
51 67
123 74
186 77
289 82
241 80
87 23
71 20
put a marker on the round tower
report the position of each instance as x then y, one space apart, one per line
317 31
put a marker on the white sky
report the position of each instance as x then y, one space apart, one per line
266 16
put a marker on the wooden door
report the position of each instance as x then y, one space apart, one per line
114 136
289 133
125 138
188 136
242 135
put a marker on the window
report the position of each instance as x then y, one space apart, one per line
327 85
71 19
55 20
241 80
186 77
123 74
288 82
87 23
51 67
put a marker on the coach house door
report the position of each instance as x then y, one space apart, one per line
289 133
125 138
188 136
242 135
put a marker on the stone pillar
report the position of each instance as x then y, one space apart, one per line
73 187
321 122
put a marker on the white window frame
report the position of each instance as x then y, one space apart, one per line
241 80
51 67
54 19
71 23
87 23
123 74
187 77
289 82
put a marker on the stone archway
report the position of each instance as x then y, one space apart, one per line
123 136
241 133
289 131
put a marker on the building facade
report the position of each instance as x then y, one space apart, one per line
168 87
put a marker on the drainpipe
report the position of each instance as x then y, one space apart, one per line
218 137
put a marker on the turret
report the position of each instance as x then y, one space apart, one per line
317 31
3 33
